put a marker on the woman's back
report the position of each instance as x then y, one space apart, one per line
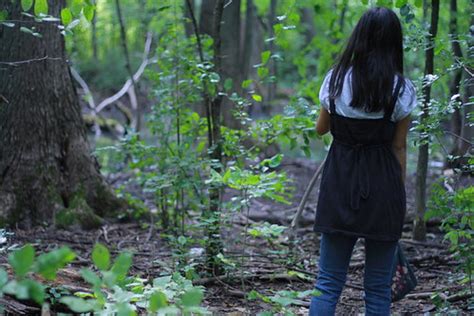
405 104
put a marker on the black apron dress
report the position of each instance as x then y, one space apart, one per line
362 192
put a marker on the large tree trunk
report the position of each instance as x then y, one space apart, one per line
419 227
45 161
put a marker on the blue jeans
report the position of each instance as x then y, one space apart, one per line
335 255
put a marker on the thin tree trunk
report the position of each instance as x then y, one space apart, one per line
248 39
188 24
213 113
94 36
133 89
271 63
230 49
419 227
467 131
46 165
456 119
307 18
214 246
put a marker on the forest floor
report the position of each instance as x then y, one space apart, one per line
266 266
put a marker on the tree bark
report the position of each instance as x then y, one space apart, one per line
419 226
454 89
46 165
249 32
230 49
272 67
467 128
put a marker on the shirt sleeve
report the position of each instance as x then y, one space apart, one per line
406 103
324 91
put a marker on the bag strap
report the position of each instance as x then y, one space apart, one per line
389 111
332 106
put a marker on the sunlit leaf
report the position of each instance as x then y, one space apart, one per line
101 257
22 260
41 7
66 16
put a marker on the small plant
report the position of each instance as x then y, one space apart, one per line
114 291
457 212
25 264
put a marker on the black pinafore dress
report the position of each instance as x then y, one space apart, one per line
362 192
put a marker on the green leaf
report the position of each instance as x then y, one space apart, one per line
22 259
26 4
89 12
48 264
400 3
262 72
228 84
252 295
275 160
365 2
418 3
257 97
77 304
192 297
265 56
25 290
163 8
41 7
76 7
3 15
101 257
121 265
66 16
35 291
157 300
90 277
246 83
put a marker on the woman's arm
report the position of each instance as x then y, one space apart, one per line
322 125
399 144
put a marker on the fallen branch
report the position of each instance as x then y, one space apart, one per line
11 305
128 83
126 88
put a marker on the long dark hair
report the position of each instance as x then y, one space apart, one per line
375 53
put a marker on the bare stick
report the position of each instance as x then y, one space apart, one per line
304 199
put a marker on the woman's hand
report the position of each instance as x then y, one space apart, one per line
322 125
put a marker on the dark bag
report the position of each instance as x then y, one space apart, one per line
403 277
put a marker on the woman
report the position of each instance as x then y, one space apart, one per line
366 103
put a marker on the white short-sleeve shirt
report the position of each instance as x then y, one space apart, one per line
406 101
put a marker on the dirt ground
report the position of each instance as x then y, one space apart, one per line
265 265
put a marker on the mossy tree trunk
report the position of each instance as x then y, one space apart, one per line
45 160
